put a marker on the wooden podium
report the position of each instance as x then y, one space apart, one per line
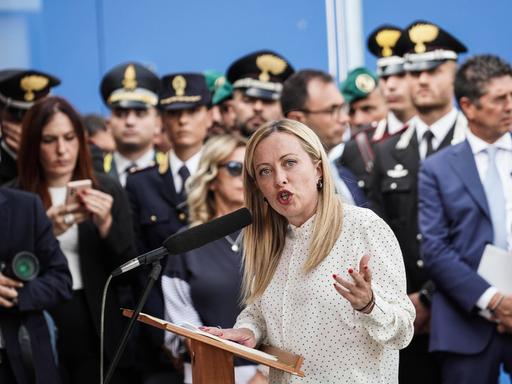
212 360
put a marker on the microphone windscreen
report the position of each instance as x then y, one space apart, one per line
200 235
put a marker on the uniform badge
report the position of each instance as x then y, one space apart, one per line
397 172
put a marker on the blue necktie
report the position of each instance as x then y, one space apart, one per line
495 199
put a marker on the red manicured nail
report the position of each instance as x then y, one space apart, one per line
333 275
365 267
350 270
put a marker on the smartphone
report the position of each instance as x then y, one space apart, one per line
73 187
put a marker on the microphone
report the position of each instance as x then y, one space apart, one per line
24 266
192 238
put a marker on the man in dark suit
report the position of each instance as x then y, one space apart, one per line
157 194
19 90
394 193
131 90
313 98
25 227
465 199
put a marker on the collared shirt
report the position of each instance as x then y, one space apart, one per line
176 163
123 164
504 165
336 152
395 125
440 129
299 312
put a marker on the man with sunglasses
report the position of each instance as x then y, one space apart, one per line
19 90
313 98
257 80
130 90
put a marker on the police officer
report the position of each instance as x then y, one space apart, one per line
19 90
367 111
393 80
431 61
221 91
158 193
257 80
130 90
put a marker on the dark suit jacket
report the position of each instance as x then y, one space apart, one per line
157 214
8 169
456 226
394 196
99 257
24 226
350 181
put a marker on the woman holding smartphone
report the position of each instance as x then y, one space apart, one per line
92 223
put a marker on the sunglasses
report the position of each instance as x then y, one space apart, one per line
234 167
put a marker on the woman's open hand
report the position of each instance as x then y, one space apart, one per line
242 336
358 292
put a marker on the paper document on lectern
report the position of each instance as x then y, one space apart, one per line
193 328
496 267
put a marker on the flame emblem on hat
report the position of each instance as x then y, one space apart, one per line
179 84
221 80
421 34
33 83
270 63
130 78
387 39
365 83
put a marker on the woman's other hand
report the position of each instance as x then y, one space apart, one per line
358 292
99 205
65 216
242 336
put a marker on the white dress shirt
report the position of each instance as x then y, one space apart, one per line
176 163
440 129
305 315
504 165
68 240
123 164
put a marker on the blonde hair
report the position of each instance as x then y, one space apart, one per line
200 198
264 239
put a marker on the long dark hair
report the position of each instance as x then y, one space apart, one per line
31 174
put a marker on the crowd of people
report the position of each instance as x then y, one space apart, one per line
373 202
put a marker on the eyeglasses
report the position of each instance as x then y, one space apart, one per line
335 111
234 168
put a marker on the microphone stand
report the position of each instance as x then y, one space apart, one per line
152 278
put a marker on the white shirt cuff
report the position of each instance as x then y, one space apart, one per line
485 299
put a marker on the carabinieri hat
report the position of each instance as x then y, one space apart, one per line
382 43
260 74
360 82
130 85
20 88
220 88
426 46
184 91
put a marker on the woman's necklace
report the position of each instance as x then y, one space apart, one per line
234 244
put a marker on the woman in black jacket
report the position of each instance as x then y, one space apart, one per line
93 228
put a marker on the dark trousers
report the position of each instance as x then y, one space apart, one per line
6 373
78 344
417 364
483 367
